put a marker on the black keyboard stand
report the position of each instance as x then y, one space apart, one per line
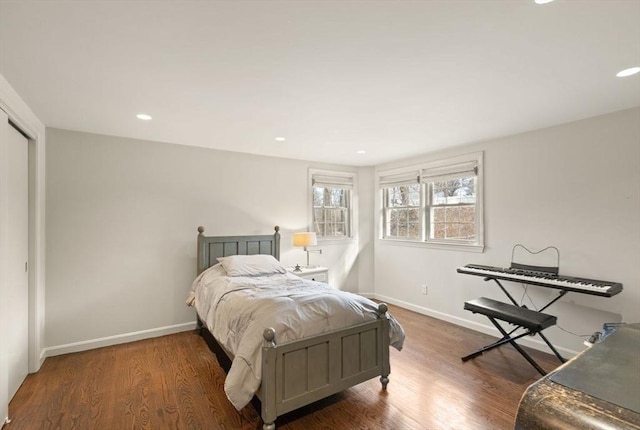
504 290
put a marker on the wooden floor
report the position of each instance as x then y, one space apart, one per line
175 382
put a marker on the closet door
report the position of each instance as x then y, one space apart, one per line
14 238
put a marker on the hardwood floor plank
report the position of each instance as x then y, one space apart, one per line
175 382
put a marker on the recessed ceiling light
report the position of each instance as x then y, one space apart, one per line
362 151
143 116
280 139
628 72
543 1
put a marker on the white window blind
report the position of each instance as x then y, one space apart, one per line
330 181
400 179
451 171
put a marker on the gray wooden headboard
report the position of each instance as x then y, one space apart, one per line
212 247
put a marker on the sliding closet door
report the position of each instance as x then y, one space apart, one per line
14 281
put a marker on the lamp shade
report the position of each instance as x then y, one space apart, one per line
306 238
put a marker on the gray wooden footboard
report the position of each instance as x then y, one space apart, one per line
298 373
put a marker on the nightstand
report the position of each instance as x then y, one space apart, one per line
319 273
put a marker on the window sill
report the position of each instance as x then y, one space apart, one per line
336 241
432 245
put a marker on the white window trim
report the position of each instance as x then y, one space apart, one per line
353 216
478 157
432 245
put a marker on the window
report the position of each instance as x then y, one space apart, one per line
439 203
401 197
452 207
332 204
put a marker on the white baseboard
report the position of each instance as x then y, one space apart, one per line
115 340
162 331
529 341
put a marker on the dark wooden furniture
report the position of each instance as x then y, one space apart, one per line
297 373
597 389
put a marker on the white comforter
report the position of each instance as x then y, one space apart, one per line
236 310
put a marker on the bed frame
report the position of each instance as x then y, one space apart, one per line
295 374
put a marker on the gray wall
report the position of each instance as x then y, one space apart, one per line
122 214
574 186
121 228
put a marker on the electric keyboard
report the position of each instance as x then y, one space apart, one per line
545 279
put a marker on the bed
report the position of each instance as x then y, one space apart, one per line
291 371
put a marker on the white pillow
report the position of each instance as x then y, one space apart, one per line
251 265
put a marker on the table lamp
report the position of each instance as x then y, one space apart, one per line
304 240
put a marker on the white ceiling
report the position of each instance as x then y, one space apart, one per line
394 78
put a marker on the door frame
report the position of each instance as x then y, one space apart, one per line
21 115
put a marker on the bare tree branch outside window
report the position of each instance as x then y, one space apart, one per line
402 211
331 211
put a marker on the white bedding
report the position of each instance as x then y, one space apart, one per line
236 310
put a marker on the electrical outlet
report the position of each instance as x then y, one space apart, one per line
424 290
